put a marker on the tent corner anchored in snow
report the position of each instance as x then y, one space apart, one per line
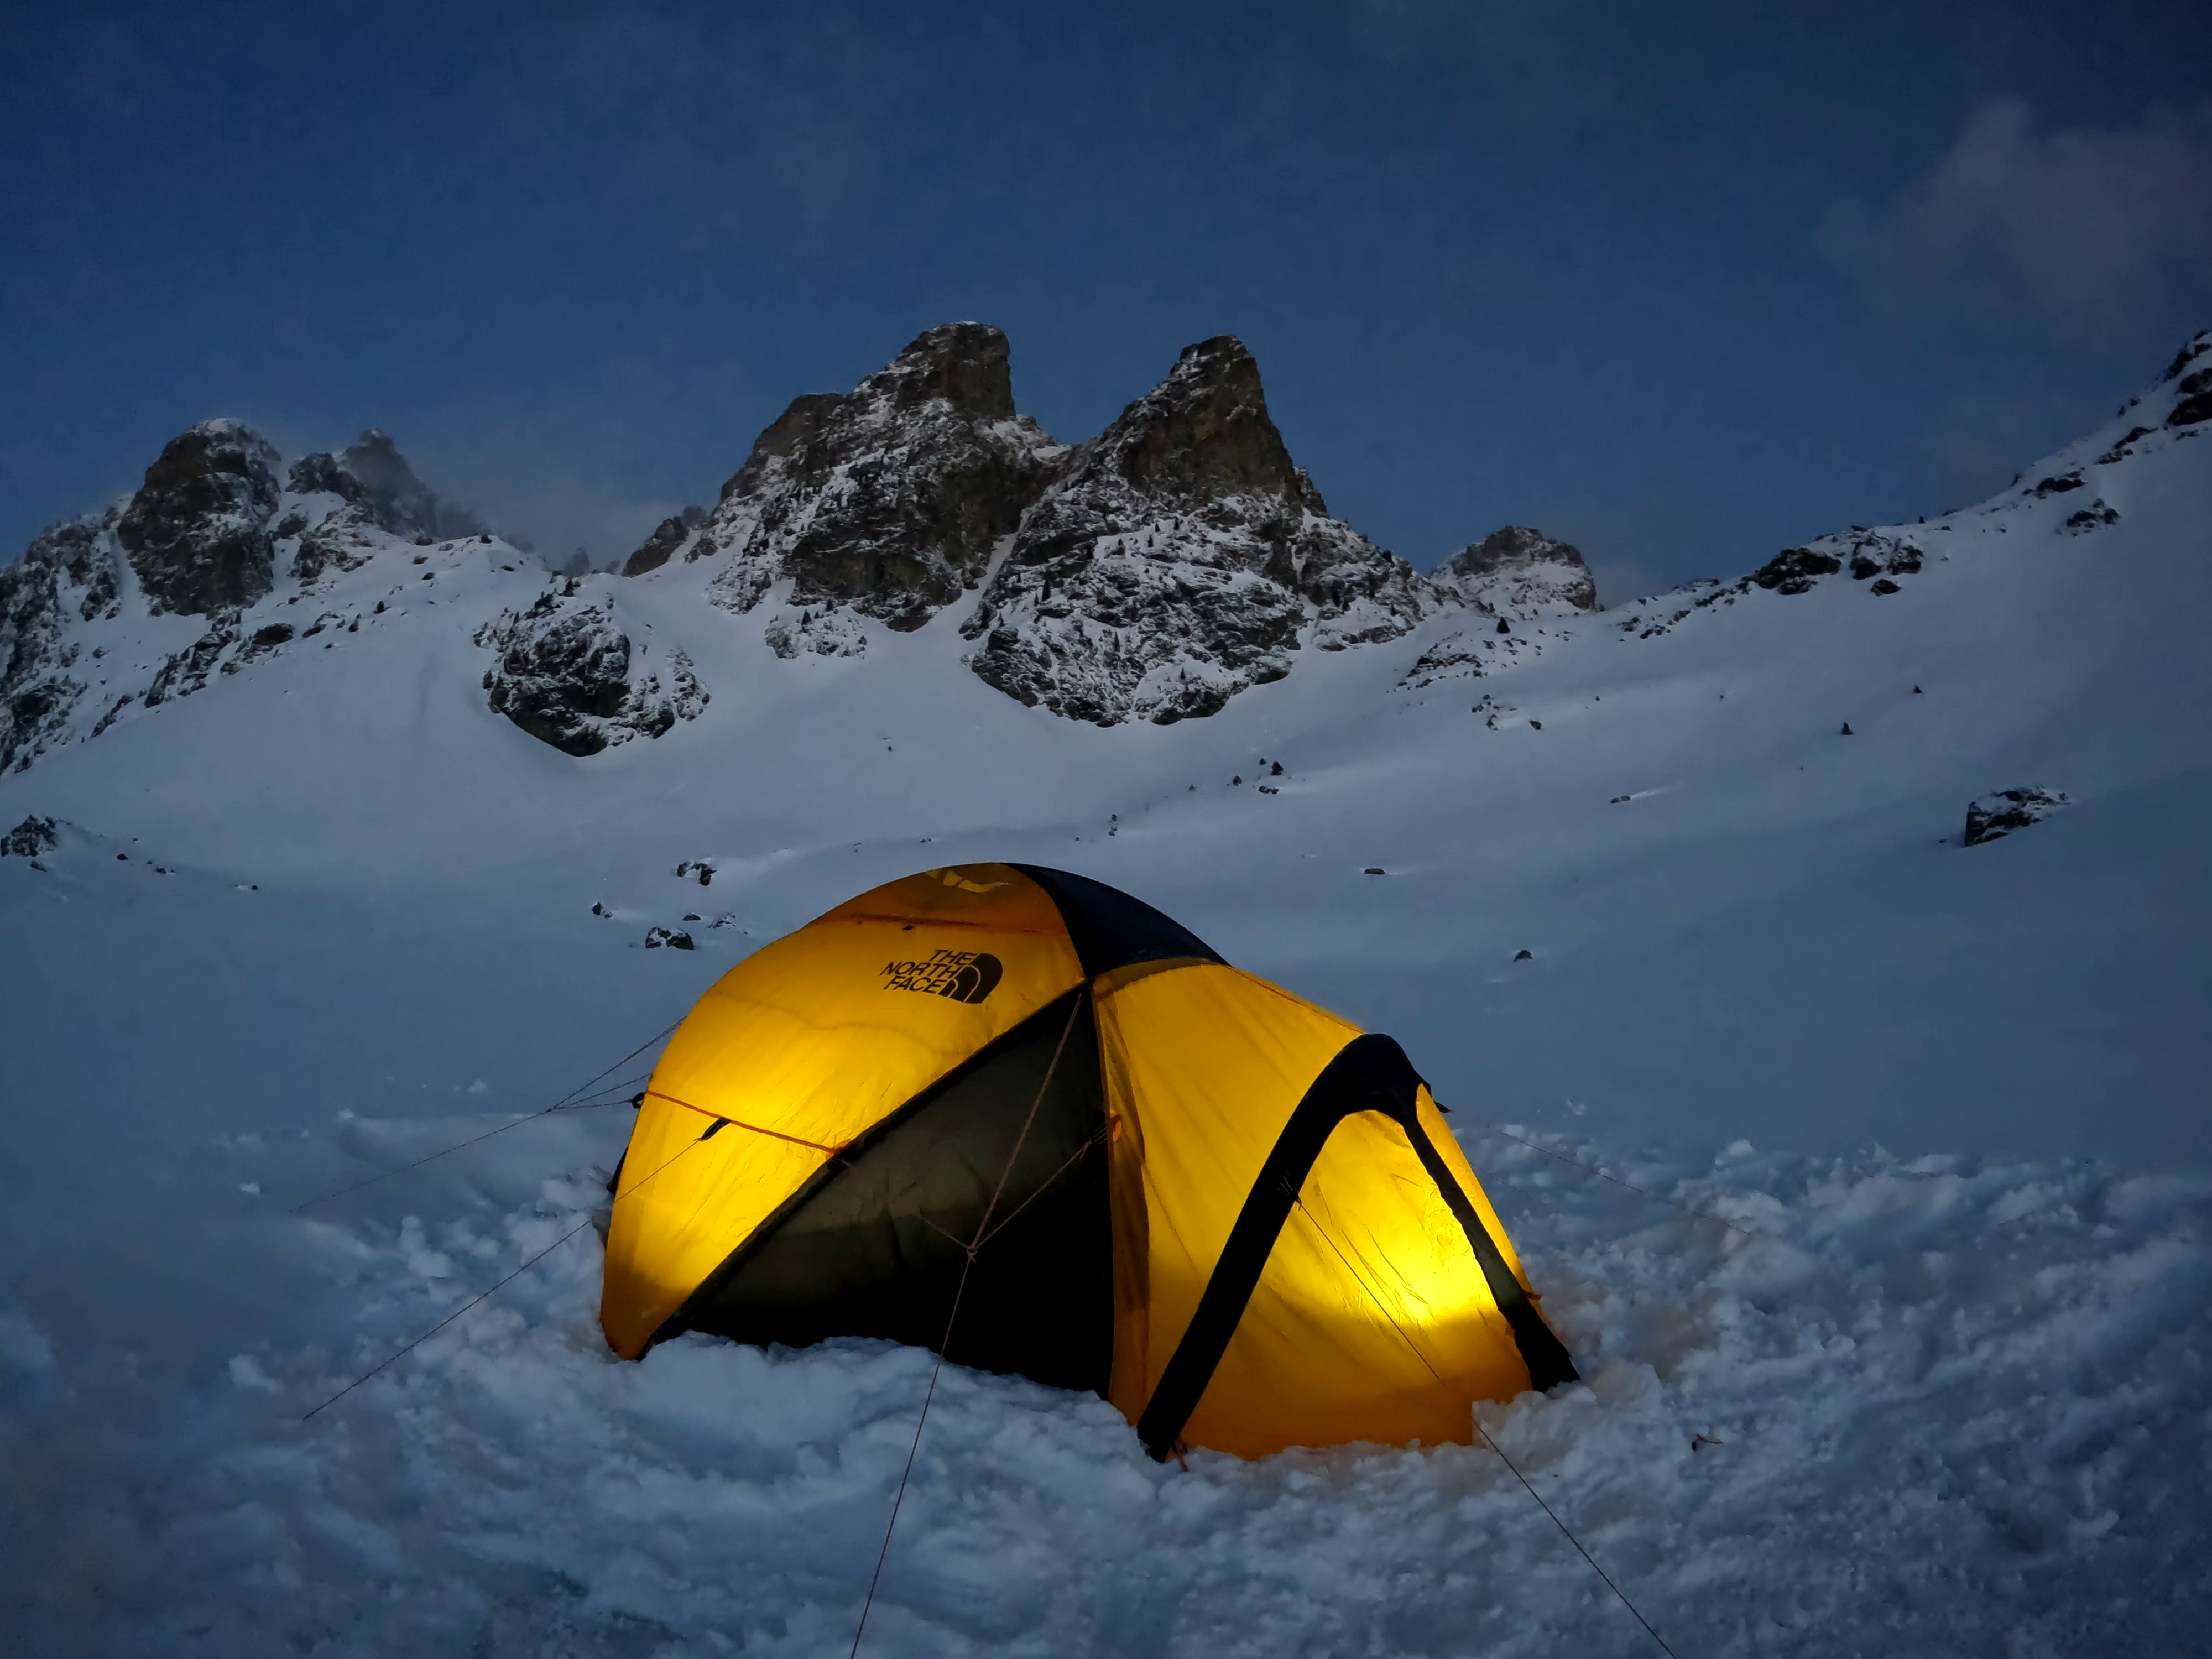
1234 1216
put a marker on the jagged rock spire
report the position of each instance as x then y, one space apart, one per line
1180 560
882 503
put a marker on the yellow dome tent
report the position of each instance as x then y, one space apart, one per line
1233 1214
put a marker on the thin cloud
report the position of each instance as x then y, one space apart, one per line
2088 226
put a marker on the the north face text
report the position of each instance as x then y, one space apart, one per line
963 976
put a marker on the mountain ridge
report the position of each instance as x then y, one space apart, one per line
1150 574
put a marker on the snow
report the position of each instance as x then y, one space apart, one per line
1953 1370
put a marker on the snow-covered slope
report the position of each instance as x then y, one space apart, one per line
331 912
213 567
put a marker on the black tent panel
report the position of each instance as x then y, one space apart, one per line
1111 929
874 1245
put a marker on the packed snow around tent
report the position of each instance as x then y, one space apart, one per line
1893 1340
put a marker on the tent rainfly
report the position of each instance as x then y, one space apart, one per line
1234 1216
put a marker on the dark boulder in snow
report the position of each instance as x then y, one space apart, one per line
2095 516
1872 554
33 836
1795 569
1993 816
674 938
260 643
885 503
198 530
568 676
1178 560
1517 568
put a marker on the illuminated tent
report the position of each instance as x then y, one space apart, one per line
1233 1214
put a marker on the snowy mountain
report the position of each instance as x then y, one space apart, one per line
1181 558
1153 572
885 504
1518 569
93 617
1892 1336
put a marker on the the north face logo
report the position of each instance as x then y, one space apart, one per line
963 976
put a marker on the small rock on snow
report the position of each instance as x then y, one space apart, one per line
1991 817
33 836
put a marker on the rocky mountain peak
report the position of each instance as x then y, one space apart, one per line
780 440
198 530
371 475
885 503
1203 433
1180 559
1517 568
964 366
967 365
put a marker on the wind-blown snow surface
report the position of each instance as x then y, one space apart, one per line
1959 1384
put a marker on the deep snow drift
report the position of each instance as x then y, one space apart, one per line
332 913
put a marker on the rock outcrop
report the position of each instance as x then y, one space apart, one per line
1795 569
197 531
2190 375
1870 555
68 575
569 675
1514 574
340 541
884 504
33 836
189 671
89 616
373 477
1518 569
1179 560
1994 816
669 537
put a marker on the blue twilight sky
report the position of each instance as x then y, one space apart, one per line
1682 283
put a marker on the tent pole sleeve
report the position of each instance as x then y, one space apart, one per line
1541 1351
1369 1074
